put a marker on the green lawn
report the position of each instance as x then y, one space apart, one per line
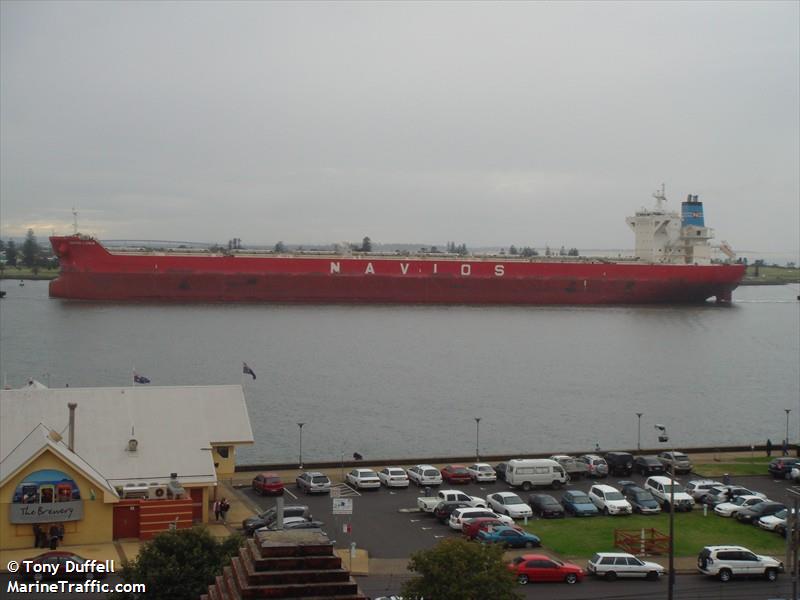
26 273
773 274
580 538
718 469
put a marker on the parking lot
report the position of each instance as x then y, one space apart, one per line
387 524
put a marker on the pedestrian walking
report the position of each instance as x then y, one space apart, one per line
769 447
60 527
38 536
217 510
224 508
53 537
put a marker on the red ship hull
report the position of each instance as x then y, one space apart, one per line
90 272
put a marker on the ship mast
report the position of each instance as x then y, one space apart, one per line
660 197
74 221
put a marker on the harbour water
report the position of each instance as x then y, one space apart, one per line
407 381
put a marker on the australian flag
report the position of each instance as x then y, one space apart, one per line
140 378
247 370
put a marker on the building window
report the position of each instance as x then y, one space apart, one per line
223 451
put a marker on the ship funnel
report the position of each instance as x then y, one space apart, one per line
692 212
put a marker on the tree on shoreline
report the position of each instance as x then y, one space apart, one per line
30 250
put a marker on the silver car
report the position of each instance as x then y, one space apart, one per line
678 460
312 482
596 466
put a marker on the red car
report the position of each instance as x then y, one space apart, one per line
540 567
456 474
473 526
267 483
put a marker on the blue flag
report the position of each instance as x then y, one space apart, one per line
140 379
247 370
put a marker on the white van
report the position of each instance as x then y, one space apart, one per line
528 472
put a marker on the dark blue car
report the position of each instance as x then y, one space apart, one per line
579 504
509 537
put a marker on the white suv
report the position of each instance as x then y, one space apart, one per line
698 487
461 515
659 486
609 500
425 475
621 564
726 562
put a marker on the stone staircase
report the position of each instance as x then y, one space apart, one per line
285 564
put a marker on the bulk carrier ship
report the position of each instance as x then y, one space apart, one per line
672 265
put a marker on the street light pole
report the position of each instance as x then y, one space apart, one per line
639 433
477 439
300 460
663 437
786 443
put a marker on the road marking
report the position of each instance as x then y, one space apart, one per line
426 528
290 493
408 510
345 491
415 520
439 536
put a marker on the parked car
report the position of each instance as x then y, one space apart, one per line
648 465
681 462
510 537
726 493
267 483
729 509
362 479
773 522
61 565
546 506
576 469
461 515
471 527
530 568
596 466
313 482
609 500
293 523
698 487
754 513
500 469
621 564
641 500
727 562
269 516
482 473
666 490
424 475
508 503
443 510
579 504
619 463
429 503
781 467
393 477
456 474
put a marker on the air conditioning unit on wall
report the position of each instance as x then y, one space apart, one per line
157 492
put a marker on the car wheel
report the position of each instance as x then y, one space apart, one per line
771 574
526 486
611 576
725 575
38 577
522 579
652 575
556 485
529 544
571 578
605 510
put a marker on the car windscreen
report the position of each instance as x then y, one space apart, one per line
320 479
678 489
513 500
614 496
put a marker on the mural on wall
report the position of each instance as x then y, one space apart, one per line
46 496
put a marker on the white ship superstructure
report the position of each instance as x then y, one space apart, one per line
664 236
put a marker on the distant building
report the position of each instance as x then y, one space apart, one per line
144 459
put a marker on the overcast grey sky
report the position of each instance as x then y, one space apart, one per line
485 123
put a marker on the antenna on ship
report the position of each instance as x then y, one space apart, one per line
74 221
660 197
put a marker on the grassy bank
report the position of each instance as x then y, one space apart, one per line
770 276
579 538
742 465
26 273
